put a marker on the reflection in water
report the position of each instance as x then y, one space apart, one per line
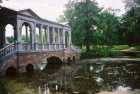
99 80
115 77
91 78
122 88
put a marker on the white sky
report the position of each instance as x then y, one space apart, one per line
51 9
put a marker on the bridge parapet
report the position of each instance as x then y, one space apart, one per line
40 47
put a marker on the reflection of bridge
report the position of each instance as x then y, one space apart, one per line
31 39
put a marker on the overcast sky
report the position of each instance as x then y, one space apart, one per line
51 9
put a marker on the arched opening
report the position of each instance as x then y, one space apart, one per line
9 34
53 65
26 33
66 39
29 68
73 58
11 72
26 36
68 59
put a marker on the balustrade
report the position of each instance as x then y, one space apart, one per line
42 47
25 46
9 49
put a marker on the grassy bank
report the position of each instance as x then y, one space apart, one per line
110 51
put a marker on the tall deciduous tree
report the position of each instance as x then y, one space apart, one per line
108 25
131 24
82 17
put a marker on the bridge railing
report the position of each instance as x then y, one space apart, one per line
25 46
75 48
40 47
9 49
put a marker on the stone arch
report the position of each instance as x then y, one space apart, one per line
26 36
67 39
11 71
69 60
53 64
9 34
73 58
29 68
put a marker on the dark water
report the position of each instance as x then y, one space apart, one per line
97 77
121 76
89 77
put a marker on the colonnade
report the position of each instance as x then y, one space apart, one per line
42 37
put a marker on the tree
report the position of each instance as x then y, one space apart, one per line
131 24
82 17
129 4
108 26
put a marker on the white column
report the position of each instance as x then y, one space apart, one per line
18 35
54 42
59 41
33 36
64 37
48 37
69 38
40 31
40 35
57 38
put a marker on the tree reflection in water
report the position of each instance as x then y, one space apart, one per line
113 77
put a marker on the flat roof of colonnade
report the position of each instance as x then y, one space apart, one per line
32 15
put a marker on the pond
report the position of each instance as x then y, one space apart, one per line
107 76
93 76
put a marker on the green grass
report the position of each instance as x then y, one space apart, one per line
120 47
104 51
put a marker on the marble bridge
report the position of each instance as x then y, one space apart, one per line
27 41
